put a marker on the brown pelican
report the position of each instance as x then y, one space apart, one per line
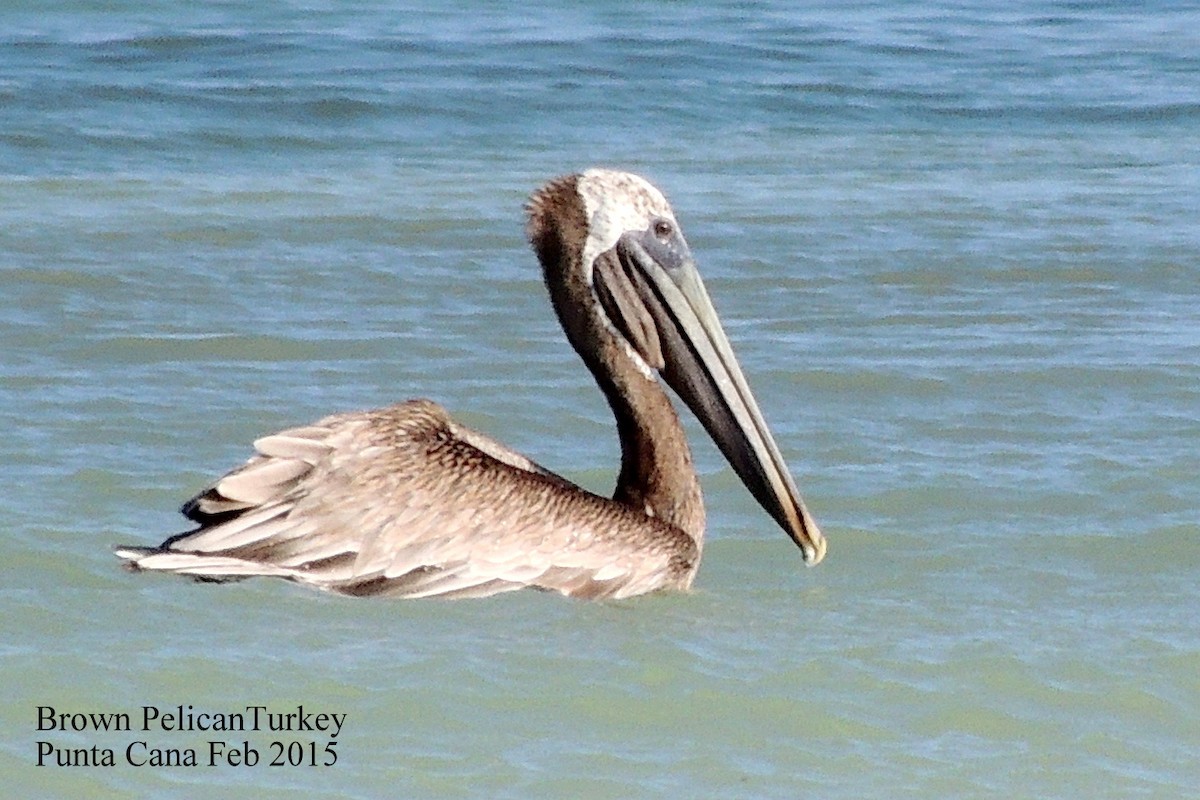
405 501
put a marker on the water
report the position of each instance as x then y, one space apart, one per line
956 249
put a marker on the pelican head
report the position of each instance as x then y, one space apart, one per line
626 289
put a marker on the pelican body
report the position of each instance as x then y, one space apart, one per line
404 501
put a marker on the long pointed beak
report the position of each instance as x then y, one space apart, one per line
700 366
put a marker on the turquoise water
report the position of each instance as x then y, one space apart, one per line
957 251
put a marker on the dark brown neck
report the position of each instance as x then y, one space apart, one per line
657 475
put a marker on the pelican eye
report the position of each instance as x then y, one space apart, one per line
660 242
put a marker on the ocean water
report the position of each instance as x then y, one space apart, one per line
955 246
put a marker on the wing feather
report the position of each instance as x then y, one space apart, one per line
306 444
403 501
262 480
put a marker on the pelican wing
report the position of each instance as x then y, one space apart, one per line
503 453
403 501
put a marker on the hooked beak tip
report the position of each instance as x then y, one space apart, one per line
813 543
814 551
